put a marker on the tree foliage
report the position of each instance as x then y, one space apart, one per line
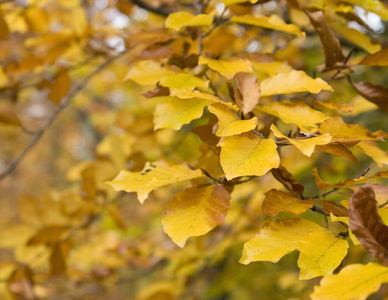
251 132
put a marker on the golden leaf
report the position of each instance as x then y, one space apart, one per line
182 19
227 68
276 201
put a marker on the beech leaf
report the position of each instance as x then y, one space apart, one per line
379 58
366 224
249 88
183 81
228 123
227 68
182 19
332 207
276 201
376 94
153 176
354 282
287 180
247 154
320 254
276 239
195 211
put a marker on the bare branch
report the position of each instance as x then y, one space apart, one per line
38 135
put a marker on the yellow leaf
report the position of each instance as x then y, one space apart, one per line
354 282
61 86
292 82
342 132
300 114
272 68
227 68
306 146
320 254
231 2
345 220
228 123
172 112
186 94
183 81
182 19
272 22
195 212
247 154
147 72
276 202
375 152
276 239
153 176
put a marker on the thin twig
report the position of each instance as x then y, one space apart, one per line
343 64
38 135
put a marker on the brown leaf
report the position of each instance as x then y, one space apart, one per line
376 94
379 58
250 90
331 45
332 207
60 87
366 224
8 117
287 180
58 258
157 92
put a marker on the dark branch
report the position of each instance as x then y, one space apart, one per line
38 135
162 11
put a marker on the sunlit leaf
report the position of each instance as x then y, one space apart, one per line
183 81
371 149
228 123
227 68
248 154
320 254
148 72
292 82
153 176
271 22
276 201
276 239
182 19
195 212
172 112
352 282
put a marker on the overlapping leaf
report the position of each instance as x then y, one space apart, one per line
153 176
276 201
247 154
249 91
227 68
182 19
194 212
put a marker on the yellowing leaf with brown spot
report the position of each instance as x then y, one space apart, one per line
300 114
195 212
153 176
228 123
247 154
227 68
182 19
271 22
342 132
306 146
147 72
276 239
172 112
354 282
375 152
276 201
183 81
320 254
292 82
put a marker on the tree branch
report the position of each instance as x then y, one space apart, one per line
38 135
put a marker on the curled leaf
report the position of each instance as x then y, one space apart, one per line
366 224
249 88
376 94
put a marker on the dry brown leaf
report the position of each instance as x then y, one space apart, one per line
366 224
332 207
376 94
330 43
250 91
287 180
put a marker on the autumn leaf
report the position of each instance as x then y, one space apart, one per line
376 94
330 43
352 282
249 89
231 2
338 150
173 112
153 176
8 117
60 87
371 149
147 72
228 123
228 68
296 113
276 201
332 207
306 146
292 82
186 94
276 239
183 81
367 225
195 212
379 58
182 19
271 22
287 180
247 154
